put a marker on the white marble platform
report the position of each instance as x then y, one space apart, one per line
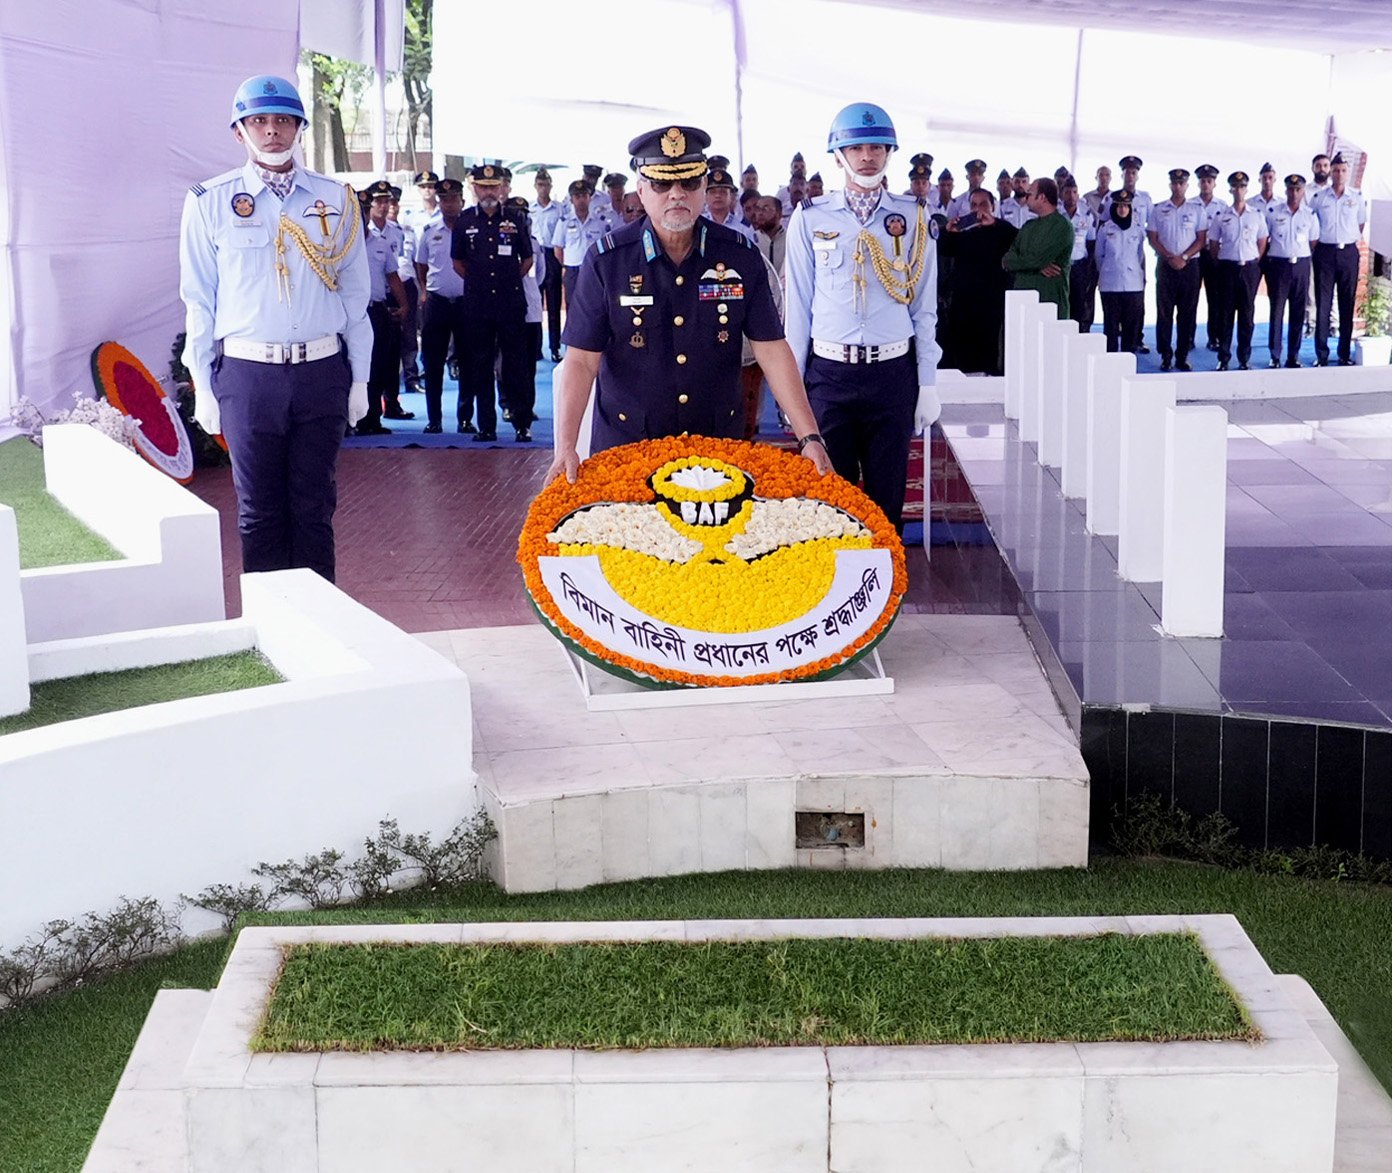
1267 1106
968 765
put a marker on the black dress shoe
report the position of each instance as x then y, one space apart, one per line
1213 346
1347 362
1165 364
506 415
523 435
557 356
1292 364
1142 350
372 430
1243 366
485 437
399 414
1184 365
1274 364
432 430
1320 362
1223 364
466 428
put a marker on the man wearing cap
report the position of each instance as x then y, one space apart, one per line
860 283
1342 218
544 213
425 183
1005 186
722 198
1211 208
751 181
974 174
1178 235
1268 199
658 318
1081 286
634 208
613 209
784 196
1018 209
796 191
492 251
275 283
944 199
919 177
1237 240
442 312
1119 255
815 188
1040 256
1286 267
407 274
577 230
387 310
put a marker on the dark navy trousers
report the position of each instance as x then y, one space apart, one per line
1176 291
1335 269
1288 287
283 425
866 413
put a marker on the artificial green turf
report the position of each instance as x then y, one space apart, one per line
793 992
60 1060
52 701
48 534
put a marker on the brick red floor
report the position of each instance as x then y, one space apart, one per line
426 537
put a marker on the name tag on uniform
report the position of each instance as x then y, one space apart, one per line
824 245
646 300
505 250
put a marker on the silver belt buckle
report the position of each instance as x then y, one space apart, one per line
271 355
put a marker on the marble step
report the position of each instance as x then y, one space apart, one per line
144 1128
1364 1108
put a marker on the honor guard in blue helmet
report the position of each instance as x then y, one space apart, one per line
275 282
860 273
658 315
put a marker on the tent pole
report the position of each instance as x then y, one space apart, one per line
738 65
1074 134
380 113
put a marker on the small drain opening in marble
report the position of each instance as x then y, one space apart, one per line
828 829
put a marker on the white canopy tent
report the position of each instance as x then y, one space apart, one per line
110 109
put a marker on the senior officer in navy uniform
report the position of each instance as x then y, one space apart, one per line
657 321
492 251
274 279
860 287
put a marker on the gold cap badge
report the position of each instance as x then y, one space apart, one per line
673 143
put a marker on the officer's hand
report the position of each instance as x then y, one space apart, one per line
564 463
398 313
815 453
952 225
206 413
927 408
1052 270
358 402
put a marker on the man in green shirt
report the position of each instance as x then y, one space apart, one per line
1040 257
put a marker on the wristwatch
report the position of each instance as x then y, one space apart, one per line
812 438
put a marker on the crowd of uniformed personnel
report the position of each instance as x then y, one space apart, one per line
1299 236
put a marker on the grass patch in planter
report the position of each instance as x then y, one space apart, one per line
51 701
794 992
48 534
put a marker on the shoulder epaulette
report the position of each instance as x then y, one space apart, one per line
198 189
920 201
807 203
606 242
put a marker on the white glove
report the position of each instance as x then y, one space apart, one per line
358 402
206 413
927 408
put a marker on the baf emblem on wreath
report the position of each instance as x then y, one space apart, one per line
694 561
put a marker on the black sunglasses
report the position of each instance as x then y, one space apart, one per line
662 185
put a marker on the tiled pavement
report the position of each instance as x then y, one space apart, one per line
426 538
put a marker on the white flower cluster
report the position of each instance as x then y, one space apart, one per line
789 521
628 526
96 413
699 478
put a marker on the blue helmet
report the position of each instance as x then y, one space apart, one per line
862 123
265 94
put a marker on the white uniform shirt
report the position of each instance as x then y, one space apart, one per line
1083 224
1012 212
1238 235
575 236
1177 225
735 222
1340 217
381 262
1119 255
1312 189
1143 205
544 220
434 251
1264 206
417 218
1210 210
1292 234
822 298
227 262
403 242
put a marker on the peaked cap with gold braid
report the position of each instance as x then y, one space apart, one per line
671 152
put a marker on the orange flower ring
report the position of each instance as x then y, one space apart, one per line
713 539
126 384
